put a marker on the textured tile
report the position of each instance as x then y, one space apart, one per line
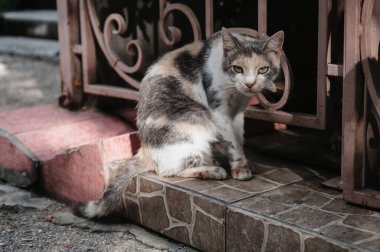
308 218
153 213
261 205
56 140
215 209
283 176
287 195
259 169
132 211
345 233
313 200
208 234
199 185
263 160
373 245
44 116
179 204
318 244
315 183
17 164
226 194
149 186
340 206
222 226
76 175
132 188
254 185
282 239
244 233
370 223
180 234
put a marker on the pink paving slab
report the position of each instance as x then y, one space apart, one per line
53 142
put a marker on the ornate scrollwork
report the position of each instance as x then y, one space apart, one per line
116 25
118 21
373 144
174 32
370 49
373 130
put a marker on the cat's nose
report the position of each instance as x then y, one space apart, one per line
249 85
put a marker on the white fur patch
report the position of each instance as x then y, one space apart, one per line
170 158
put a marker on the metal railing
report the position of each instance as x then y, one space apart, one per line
105 51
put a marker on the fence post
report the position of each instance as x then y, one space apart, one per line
69 40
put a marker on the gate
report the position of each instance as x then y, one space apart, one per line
106 47
361 104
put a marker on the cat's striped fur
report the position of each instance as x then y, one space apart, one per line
190 112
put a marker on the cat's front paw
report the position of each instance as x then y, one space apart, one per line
241 173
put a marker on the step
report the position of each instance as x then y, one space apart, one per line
29 47
30 23
60 149
284 207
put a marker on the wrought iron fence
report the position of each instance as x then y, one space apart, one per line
107 45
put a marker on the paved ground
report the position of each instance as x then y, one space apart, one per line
27 81
32 223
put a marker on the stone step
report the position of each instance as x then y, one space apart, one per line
62 149
30 23
30 47
284 207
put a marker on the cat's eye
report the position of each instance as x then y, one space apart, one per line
263 70
237 69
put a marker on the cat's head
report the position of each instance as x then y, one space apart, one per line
252 64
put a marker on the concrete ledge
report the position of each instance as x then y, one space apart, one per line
30 23
29 47
18 164
32 16
38 140
77 174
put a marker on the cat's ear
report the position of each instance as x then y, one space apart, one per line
229 41
275 42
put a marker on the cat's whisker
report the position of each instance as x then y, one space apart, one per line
231 89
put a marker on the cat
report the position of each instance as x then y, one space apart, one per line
191 111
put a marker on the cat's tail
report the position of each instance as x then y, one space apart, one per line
121 175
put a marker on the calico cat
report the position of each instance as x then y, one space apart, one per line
191 111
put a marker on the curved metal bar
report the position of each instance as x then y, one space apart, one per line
369 54
121 28
373 130
104 43
109 30
372 141
285 68
175 32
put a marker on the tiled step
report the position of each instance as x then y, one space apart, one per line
283 208
30 23
62 149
